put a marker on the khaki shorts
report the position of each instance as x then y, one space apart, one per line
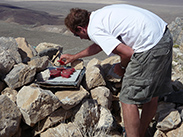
148 74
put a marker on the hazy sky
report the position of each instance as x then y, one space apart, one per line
172 2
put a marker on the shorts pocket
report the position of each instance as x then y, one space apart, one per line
134 67
139 90
161 52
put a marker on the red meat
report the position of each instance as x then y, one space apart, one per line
61 71
55 74
67 71
61 62
65 75
54 70
61 68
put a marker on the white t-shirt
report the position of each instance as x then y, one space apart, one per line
138 28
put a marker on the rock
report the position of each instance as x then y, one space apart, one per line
108 62
10 45
159 133
103 96
173 133
48 49
71 98
176 132
6 62
35 104
43 75
58 116
63 130
87 116
10 117
77 64
94 75
11 93
93 62
168 118
179 21
41 63
176 30
106 122
26 51
170 122
20 75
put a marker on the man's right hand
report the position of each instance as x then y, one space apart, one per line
67 58
118 70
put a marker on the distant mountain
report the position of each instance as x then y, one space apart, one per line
25 16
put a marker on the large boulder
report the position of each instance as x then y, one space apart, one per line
10 117
26 50
102 95
48 49
11 93
35 104
106 122
167 117
94 75
6 63
70 98
43 75
40 63
88 115
20 75
10 45
63 130
58 116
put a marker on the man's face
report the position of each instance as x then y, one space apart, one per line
82 33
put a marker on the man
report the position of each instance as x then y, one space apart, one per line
144 44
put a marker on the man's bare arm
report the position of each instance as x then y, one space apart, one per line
125 52
89 51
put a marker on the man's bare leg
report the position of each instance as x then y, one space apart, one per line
148 112
131 119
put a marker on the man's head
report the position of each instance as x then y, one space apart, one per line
77 21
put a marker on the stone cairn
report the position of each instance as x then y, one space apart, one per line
92 110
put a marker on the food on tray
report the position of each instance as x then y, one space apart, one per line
65 75
61 71
55 74
67 72
61 68
61 62
54 70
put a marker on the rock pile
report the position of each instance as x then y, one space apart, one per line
92 110
176 28
27 109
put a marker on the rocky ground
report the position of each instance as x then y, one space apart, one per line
29 108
